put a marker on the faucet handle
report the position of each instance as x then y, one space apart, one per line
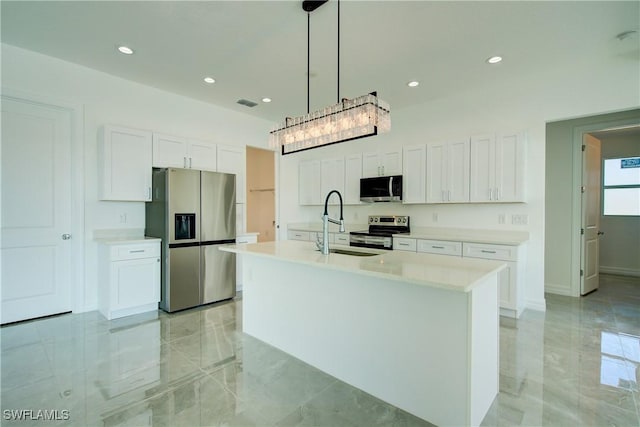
342 226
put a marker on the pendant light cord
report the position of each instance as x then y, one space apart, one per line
308 55
338 101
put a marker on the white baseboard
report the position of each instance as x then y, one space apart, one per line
557 289
537 305
620 271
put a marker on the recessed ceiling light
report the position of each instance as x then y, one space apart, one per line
413 83
209 80
266 99
494 59
126 50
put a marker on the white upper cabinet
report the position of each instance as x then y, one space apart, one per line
414 164
497 168
202 155
178 152
383 163
309 189
169 151
510 167
448 172
352 175
332 178
232 159
124 164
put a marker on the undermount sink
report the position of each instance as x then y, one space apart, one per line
353 253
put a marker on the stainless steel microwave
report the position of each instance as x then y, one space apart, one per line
381 189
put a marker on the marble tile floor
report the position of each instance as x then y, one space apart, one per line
574 365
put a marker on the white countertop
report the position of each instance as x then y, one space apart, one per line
127 240
471 235
439 271
333 228
503 237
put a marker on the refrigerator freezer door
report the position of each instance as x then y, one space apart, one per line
184 279
183 194
218 204
218 274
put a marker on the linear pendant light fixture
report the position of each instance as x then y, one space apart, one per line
348 119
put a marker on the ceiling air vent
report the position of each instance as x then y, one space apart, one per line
247 103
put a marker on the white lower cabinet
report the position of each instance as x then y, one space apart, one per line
129 278
298 235
511 279
404 244
440 247
243 238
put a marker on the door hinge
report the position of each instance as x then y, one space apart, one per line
583 147
583 189
582 231
581 272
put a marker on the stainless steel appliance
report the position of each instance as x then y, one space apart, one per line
194 213
380 232
381 189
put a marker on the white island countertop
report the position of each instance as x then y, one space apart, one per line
437 271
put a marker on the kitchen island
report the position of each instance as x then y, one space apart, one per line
419 331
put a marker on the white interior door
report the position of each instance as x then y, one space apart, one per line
36 210
591 183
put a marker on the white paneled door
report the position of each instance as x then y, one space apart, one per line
591 184
36 209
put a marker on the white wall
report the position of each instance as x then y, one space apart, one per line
517 103
619 249
108 99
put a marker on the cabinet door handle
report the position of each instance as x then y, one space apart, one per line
190 162
491 194
442 195
137 251
437 247
184 162
484 251
449 195
403 244
383 170
497 193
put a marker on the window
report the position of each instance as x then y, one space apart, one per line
622 186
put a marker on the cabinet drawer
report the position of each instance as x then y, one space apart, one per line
297 235
440 247
135 251
341 238
487 251
404 244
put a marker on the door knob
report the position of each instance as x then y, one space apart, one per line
66 236
600 233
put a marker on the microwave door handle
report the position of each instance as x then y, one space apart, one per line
390 186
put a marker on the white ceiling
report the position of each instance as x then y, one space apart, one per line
258 48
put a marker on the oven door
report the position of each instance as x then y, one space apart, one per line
369 241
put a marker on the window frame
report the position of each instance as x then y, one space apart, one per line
614 187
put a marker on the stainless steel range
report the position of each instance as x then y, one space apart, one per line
380 232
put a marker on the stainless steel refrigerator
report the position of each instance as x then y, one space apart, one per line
193 212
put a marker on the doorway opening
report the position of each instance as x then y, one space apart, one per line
261 196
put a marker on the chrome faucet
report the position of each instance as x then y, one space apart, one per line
323 245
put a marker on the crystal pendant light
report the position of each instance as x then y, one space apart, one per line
366 115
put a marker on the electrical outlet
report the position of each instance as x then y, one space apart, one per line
520 219
123 218
434 217
501 219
